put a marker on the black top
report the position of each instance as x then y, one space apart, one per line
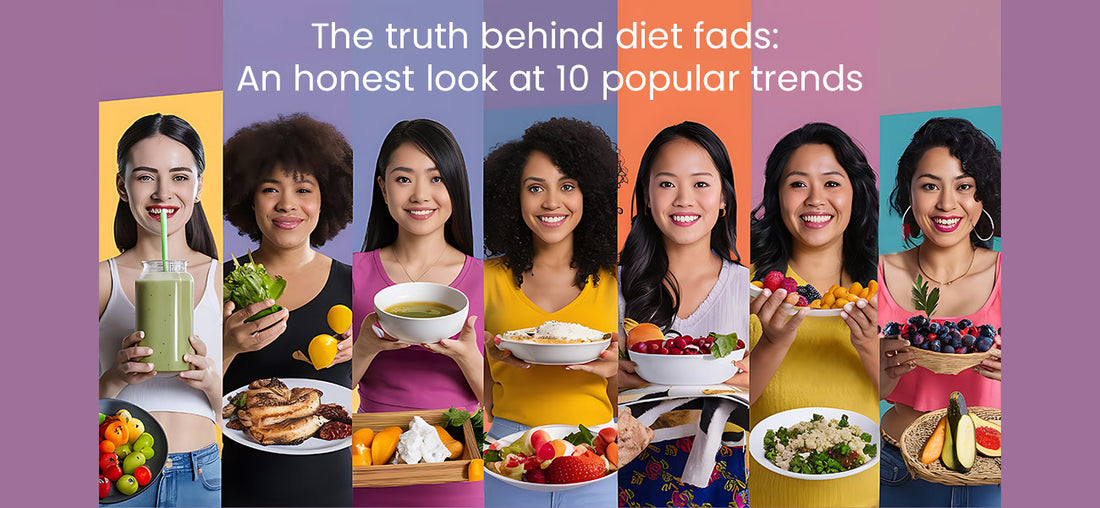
257 478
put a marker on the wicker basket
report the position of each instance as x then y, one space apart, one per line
986 470
946 363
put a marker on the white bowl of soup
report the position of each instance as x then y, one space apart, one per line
421 312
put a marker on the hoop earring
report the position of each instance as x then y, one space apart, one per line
722 212
905 232
992 230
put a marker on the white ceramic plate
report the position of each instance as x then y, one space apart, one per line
556 432
330 394
554 354
804 414
755 291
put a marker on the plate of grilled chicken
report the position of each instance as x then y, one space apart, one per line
291 416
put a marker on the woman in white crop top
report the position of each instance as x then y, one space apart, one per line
160 166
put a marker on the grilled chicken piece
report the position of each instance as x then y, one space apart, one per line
305 403
287 432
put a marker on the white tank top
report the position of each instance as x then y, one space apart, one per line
165 392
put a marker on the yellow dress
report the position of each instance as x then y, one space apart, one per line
547 394
821 369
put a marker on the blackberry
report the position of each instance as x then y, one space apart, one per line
987 330
965 323
916 320
809 292
891 329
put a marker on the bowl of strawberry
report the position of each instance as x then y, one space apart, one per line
132 450
555 457
683 360
944 346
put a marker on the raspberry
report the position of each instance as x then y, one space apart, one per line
789 285
535 476
773 280
802 301
809 292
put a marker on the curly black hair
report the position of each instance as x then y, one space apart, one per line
302 145
979 157
771 240
583 152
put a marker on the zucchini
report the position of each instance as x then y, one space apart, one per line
960 444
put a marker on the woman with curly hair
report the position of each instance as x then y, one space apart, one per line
817 223
287 186
419 230
948 195
550 197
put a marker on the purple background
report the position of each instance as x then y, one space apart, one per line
58 67
815 36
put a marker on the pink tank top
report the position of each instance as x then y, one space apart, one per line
924 390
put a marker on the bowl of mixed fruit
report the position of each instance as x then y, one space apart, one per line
555 457
829 303
683 360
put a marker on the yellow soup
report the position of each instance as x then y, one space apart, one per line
420 309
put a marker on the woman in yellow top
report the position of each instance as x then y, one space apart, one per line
550 204
817 223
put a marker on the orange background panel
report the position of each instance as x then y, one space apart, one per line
203 111
727 113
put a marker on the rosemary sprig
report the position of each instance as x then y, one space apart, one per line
923 299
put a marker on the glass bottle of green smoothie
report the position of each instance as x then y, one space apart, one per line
163 295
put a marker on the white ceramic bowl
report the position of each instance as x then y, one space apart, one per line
556 432
554 354
686 370
421 330
803 414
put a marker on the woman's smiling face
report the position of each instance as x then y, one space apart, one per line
943 198
685 192
550 202
287 207
815 197
414 191
160 174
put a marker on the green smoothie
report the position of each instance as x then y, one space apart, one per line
164 313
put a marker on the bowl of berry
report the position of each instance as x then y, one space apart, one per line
944 346
827 304
683 360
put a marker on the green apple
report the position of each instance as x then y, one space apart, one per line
132 461
127 484
123 450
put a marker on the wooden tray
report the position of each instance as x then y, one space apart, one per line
986 470
403 475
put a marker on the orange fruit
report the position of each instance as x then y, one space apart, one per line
362 436
477 470
106 446
644 332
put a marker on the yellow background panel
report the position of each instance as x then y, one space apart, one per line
203 111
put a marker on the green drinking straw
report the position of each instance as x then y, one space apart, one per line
164 238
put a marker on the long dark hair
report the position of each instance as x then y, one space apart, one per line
585 153
771 241
437 142
199 236
651 292
979 157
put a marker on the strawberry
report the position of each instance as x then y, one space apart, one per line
773 280
535 476
789 285
802 301
573 469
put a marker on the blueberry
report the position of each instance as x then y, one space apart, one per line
934 328
891 329
960 350
951 325
917 340
955 333
956 343
968 340
983 344
934 346
965 323
947 349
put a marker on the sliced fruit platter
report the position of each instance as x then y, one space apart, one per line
132 450
415 447
829 303
555 457
682 360
955 446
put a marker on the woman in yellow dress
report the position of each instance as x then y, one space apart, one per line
817 223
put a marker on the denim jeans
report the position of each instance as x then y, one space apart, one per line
192 479
498 493
901 489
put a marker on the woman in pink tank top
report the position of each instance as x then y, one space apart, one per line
948 196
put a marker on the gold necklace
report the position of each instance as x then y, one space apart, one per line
973 254
422 274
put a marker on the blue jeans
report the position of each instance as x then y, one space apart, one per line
900 489
193 479
498 493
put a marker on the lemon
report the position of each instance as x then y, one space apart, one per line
322 350
339 318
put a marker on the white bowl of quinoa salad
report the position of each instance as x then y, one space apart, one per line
852 443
